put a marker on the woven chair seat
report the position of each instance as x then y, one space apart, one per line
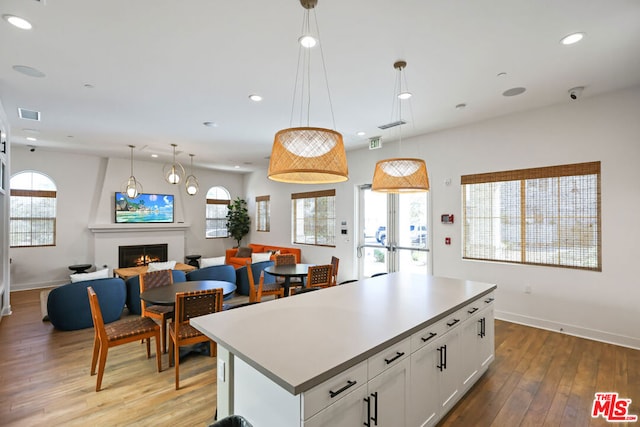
187 331
128 328
271 287
160 309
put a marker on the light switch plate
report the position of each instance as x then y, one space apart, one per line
221 373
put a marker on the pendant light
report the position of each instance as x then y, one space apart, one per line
191 183
400 175
132 188
174 172
308 155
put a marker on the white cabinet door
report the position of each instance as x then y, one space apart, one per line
477 340
449 368
424 400
381 402
349 411
388 397
487 342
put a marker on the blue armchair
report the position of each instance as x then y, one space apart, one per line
133 290
68 305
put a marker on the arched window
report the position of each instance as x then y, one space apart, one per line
32 219
218 200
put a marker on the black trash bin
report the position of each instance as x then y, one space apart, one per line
232 421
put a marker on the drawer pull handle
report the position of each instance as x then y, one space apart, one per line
488 300
394 358
431 335
483 332
368 422
453 323
349 384
473 310
442 354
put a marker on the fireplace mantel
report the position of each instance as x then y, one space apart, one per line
119 228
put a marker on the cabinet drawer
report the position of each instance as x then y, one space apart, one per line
333 389
427 335
487 300
389 357
455 319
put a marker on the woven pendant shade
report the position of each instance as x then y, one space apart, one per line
400 176
307 155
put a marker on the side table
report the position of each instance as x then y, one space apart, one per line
79 268
193 260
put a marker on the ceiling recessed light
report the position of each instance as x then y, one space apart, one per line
210 124
89 86
361 133
405 95
513 91
572 38
502 74
30 138
18 22
28 71
237 166
155 156
255 98
461 106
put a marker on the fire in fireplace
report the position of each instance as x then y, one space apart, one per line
139 255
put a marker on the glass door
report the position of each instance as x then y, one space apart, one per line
393 232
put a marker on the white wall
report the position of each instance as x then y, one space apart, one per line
86 187
601 305
5 307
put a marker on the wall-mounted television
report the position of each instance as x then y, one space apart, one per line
144 208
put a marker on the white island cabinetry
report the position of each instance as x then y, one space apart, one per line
394 350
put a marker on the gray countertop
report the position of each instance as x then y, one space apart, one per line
301 341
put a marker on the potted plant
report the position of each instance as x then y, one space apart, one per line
238 221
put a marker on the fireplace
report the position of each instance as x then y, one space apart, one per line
139 255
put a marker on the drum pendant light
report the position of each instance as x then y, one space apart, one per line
400 175
308 155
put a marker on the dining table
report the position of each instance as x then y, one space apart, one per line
166 295
287 271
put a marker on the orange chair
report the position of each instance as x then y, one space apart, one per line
320 276
335 262
181 333
117 333
162 313
288 259
257 292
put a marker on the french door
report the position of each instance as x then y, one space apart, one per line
393 230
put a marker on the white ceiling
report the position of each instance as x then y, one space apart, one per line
160 68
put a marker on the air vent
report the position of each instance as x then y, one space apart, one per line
392 124
29 114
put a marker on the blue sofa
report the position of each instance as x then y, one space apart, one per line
242 279
133 290
68 305
225 273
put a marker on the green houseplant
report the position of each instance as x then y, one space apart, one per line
238 221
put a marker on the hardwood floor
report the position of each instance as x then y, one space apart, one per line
539 378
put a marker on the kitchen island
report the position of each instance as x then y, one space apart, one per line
398 349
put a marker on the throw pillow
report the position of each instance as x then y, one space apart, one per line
208 262
81 277
157 266
244 252
260 256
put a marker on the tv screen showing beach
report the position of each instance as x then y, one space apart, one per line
144 208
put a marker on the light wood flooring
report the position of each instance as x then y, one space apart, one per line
539 378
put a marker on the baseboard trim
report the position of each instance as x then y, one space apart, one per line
573 330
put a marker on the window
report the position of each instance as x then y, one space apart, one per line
32 219
542 216
314 218
218 200
262 213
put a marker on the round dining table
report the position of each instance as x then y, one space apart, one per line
166 295
288 271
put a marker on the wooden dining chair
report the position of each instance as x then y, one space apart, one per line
189 305
320 276
288 259
335 262
262 289
162 313
118 333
